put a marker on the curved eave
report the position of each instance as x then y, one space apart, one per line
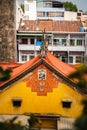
52 63
19 76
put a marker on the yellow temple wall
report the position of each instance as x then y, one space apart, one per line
32 103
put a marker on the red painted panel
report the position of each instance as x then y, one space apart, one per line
42 86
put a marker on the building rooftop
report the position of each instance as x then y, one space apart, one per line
50 25
50 61
55 65
9 65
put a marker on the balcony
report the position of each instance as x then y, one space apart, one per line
52 48
28 47
50 9
67 48
50 13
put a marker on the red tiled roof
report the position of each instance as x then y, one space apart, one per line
19 70
52 61
11 65
27 25
24 67
46 24
50 25
63 68
67 26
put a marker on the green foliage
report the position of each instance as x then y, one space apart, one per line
81 122
5 74
32 120
79 74
69 6
10 125
22 7
84 102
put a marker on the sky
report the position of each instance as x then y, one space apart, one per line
81 4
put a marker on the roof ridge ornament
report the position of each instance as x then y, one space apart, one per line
44 45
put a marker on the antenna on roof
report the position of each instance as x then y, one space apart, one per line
44 45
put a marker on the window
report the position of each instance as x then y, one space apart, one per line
56 41
72 42
27 7
78 59
66 103
79 42
43 14
64 58
47 5
59 14
64 42
51 14
47 14
16 102
42 74
24 57
78 14
39 14
70 59
24 41
31 57
32 41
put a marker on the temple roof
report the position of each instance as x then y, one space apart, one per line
9 65
50 61
58 67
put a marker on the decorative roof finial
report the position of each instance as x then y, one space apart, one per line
44 46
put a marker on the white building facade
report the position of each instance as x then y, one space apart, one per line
43 9
69 47
30 9
66 44
19 14
68 15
